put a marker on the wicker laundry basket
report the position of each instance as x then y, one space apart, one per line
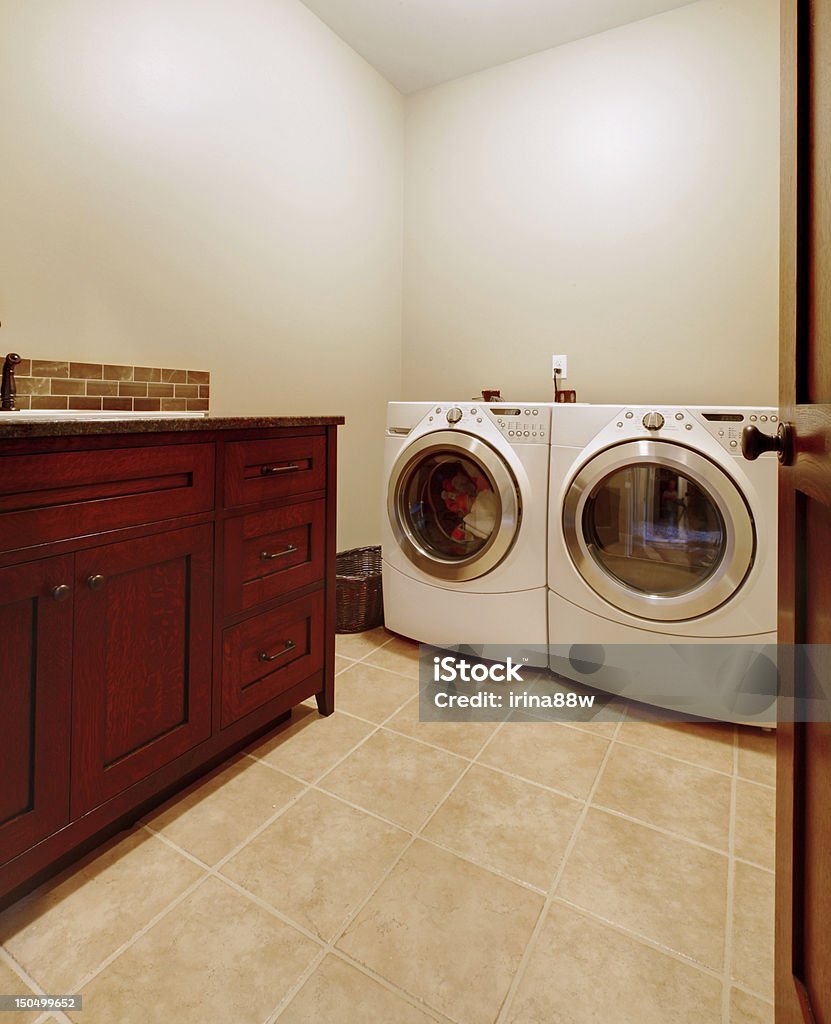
358 594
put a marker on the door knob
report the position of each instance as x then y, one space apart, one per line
754 443
96 582
60 592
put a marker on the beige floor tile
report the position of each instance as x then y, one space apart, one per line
745 1009
218 957
507 824
399 655
62 931
446 931
310 746
395 777
338 993
652 884
356 645
464 738
757 755
582 971
317 861
372 693
554 755
12 985
753 923
683 798
215 815
709 744
755 823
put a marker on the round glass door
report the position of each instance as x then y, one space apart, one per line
454 505
658 530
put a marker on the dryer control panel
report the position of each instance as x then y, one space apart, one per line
526 424
725 424
521 422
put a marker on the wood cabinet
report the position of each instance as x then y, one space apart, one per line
35 653
164 598
141 688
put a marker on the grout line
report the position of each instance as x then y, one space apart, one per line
673 757
753 864
36 990
419 1004
522 967
644 940
90 975
669 833
741 987
731 880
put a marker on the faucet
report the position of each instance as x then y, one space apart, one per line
8 391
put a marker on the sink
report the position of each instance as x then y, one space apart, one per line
24 415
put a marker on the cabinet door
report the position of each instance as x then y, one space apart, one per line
142 670
35 669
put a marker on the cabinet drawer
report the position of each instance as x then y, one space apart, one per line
71 494
260 470
268 654
270 553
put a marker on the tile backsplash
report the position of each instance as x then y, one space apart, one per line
53 384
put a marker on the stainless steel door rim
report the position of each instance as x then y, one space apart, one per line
727 575
455 444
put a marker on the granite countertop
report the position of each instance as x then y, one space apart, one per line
87 425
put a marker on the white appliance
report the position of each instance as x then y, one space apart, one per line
660 533
464 525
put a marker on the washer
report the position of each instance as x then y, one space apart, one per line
465 524
661 533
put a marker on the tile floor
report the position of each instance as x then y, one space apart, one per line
368 867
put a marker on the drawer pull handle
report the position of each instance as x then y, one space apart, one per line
274 470
96 582
61 592
265 656
265 556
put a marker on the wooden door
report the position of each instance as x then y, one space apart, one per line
35 669
142 669
803 872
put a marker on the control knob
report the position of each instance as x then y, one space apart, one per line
454 415
653 421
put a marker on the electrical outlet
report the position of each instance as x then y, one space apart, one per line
559 363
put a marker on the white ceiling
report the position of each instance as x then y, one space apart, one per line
419 43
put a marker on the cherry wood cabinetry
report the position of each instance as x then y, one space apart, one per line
164 599
35 640
141 691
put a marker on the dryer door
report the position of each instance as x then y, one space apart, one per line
658 530
454 505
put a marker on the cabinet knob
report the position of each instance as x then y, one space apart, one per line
61 592
96 582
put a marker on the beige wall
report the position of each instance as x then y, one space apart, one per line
209 185
220 186
615 199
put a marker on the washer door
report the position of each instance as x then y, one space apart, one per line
658 530
454 505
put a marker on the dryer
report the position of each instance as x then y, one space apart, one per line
465 524
661 534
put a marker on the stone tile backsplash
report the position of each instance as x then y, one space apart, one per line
53 384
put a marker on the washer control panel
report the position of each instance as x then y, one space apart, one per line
724 425
527 424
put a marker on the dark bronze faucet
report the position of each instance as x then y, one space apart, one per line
8 391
